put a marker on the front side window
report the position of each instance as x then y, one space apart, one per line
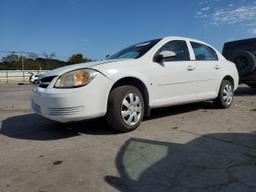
203 52
135 51
180 49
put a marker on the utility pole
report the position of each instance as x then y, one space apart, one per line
22 67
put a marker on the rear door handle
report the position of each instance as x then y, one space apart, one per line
217 67
190 68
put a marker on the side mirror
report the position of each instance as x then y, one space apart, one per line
164 55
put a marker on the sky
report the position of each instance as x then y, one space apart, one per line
97 28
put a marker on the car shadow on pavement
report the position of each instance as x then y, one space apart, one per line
245 91
224 162
34 127
181 109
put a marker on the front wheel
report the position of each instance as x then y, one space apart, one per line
125 108
226 94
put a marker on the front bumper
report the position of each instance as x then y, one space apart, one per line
75 104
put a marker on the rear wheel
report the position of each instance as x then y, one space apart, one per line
226 94
125 108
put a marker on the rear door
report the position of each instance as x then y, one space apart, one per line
208 71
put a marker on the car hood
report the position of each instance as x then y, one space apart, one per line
62 70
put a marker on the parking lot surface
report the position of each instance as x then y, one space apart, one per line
186 148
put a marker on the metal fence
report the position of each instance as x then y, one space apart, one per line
9 76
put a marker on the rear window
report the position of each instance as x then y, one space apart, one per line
204 52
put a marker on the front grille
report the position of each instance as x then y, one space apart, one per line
45 82
36 107
65 111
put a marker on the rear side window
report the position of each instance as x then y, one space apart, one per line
204 52
179 47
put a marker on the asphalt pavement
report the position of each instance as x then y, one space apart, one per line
189 148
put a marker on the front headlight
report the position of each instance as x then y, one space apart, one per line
76 78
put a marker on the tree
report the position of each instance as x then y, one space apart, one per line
49 56
32 62
77 58
11 58
32 55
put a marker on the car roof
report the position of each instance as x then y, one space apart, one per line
251 40
170 38
186 39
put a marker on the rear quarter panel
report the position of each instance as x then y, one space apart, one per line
229 69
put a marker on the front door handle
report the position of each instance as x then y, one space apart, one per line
217 67
190 68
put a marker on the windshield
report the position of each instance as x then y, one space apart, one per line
135 51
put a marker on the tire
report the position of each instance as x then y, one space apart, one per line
36 82
245 62
226 94
124 105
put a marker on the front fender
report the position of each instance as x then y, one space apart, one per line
118 73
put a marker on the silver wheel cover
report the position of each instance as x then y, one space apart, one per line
131 109
228 94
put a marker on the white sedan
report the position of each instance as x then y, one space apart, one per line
127 85
33 78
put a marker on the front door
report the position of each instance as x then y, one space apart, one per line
175 77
